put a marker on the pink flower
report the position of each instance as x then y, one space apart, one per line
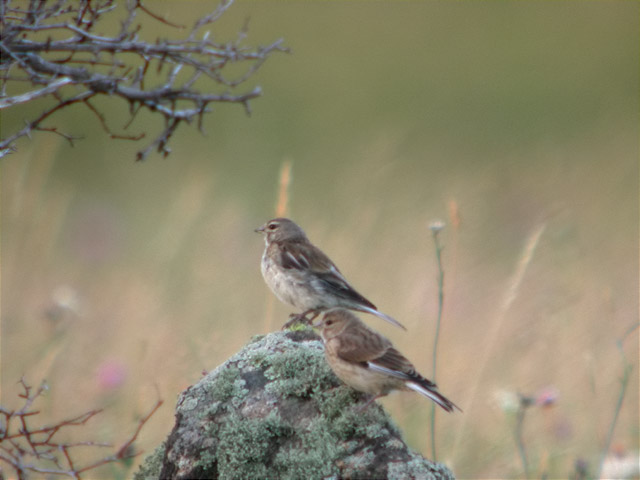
111 375
547 397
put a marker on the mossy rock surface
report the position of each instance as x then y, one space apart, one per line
276 410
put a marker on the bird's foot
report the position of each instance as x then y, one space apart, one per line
298 319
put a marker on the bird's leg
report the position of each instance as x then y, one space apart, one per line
314 315
368 403
296 318
302 317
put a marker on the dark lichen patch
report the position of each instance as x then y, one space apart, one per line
206 467
254 379
297 410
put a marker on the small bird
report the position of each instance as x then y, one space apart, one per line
300 274
367 362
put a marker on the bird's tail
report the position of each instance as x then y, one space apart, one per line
432 393
381 315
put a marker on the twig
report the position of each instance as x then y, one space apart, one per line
156 16
5 144
118 65
28 449
32 95
126 449
105 127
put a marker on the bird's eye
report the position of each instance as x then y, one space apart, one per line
272 226
328 322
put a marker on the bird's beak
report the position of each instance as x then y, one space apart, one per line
318 324
261 229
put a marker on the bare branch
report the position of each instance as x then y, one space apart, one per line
29 96
103 122
157 17
118 65
6 144
27 449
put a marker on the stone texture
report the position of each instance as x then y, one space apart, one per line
276 410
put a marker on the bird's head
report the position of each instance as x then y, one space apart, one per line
334 322
281 229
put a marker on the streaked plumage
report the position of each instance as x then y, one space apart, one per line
300 274
368 362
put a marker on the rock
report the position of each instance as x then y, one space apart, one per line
276 410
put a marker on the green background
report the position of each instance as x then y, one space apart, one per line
501 119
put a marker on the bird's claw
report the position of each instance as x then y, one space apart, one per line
297 319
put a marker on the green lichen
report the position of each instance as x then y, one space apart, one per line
227 390
259 359
256 339
333 401
307 458
418 468
394 443
150 468
298 327
371 422
276 410
225 385
297 371
357 464
247 445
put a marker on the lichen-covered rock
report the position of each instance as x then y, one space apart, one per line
275 410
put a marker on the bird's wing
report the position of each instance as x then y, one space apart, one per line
361 346
306 257
392 362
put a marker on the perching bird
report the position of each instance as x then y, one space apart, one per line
300 274
367 362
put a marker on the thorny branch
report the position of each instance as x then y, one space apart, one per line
50 50
28 449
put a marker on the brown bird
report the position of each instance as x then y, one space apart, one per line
300 274
367 362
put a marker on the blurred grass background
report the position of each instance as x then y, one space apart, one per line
121 279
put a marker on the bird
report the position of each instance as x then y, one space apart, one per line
368 362
301 275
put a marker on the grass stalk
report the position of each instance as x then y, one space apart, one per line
624 381
435 229
524 404
281 210
488 345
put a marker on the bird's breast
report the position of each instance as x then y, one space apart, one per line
290 286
